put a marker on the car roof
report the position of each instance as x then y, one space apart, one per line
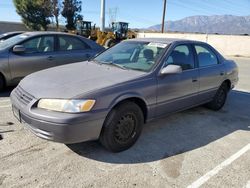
89 42
11 32
162 40
34 33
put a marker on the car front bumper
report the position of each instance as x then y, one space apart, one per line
59 127
63 133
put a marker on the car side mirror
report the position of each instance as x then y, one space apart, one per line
18 49
171 69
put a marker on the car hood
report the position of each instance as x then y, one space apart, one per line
71 80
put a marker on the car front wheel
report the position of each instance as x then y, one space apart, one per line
219 99
122 127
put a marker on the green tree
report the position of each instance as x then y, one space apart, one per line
35 14
56 5
71 10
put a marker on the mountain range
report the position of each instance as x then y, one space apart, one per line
221 24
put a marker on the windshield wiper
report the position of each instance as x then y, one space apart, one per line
109 63
115 65
112 64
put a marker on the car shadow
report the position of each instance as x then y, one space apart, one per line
178 133
6 92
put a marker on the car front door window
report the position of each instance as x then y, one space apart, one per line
181 55
39 45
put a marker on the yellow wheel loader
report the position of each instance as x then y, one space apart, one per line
118 32
108 38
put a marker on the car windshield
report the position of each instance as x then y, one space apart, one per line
135 55
12 41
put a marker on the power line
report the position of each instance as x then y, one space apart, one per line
180 4
200 3
208 4
239 4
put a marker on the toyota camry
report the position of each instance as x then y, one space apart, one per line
111 97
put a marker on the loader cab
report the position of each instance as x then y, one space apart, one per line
83 28
120 29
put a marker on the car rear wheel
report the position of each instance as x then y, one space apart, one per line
219 99
122 127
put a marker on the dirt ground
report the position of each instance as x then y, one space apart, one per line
184 149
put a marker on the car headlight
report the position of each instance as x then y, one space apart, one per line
64 105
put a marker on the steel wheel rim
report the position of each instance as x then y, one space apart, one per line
125 128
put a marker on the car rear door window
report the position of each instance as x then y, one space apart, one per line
40 44
68 43
206 56
181 55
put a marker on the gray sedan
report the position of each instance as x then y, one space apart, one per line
33 51
110 97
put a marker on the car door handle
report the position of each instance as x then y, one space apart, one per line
50 58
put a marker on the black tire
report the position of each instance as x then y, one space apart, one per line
219 99
2 83
110 42
122 127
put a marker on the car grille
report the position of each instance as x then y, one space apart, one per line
22 96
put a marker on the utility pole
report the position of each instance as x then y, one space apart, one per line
163 16
102 28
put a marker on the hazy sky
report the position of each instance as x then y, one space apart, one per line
144 13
